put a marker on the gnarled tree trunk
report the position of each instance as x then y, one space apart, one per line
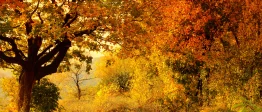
33 70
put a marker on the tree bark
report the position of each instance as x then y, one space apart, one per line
78 90
26 83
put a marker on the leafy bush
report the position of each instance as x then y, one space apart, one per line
45 96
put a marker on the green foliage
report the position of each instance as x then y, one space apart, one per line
45 96
122 80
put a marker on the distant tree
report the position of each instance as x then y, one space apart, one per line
79 71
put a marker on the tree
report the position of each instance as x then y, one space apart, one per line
78 73
214 46
34 40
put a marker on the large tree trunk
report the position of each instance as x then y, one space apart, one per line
33 70
26 83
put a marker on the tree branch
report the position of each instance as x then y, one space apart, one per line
39 16
235 36
44 51
9 59
52 68
12 43
87 79
53 52
28 24
30 17
73 79
67 21
18 53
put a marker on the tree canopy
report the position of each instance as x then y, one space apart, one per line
210 50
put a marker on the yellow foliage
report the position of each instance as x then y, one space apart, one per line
151 81
10 87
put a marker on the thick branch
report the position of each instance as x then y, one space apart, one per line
53 52
44 51
13 44
18 53
8 59
52 68
72 20
67 21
